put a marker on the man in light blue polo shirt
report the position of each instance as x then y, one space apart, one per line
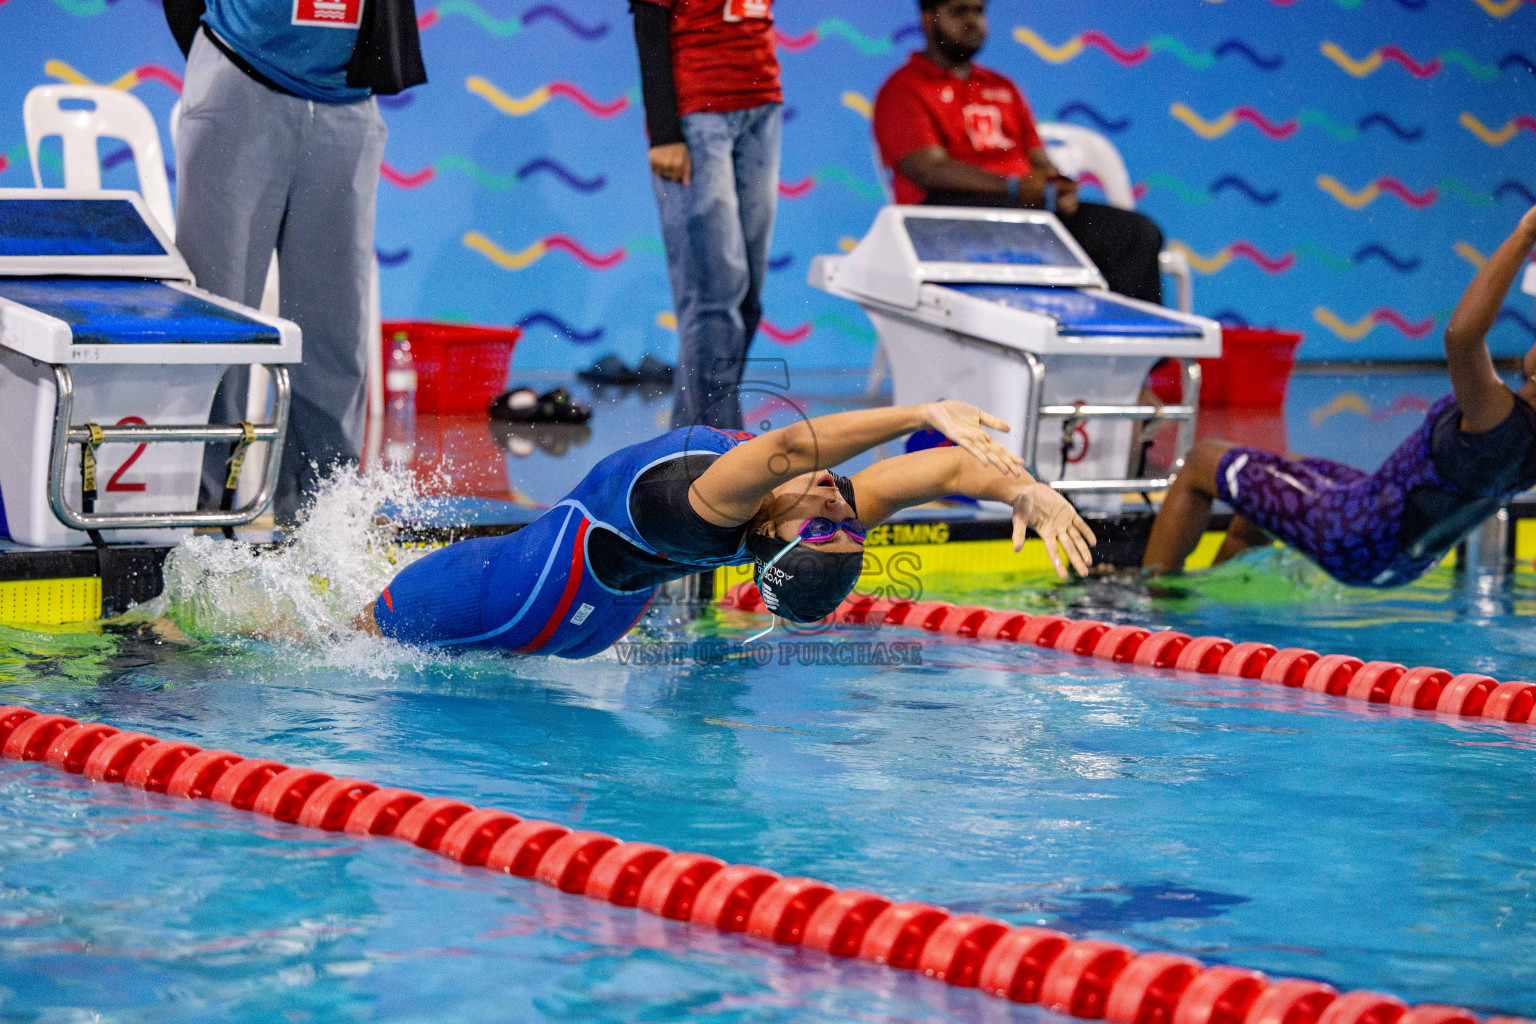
279 149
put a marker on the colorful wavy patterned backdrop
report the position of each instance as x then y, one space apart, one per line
1332 166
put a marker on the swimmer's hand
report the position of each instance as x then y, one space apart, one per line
967 426
1041 507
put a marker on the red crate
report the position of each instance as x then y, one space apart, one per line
459 368
1253 371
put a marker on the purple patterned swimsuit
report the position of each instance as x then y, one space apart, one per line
1389 527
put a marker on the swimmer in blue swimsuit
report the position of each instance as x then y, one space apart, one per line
578 578
1474 451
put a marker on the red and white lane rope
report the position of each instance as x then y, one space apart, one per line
1337 675
1083 978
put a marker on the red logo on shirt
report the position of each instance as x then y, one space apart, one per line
984 125
740 10
328 13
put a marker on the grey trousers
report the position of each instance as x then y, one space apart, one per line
258 170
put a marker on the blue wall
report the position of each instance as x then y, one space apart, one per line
529 143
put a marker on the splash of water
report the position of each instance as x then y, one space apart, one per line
308 590
1271 575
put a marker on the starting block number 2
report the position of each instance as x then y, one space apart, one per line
116 483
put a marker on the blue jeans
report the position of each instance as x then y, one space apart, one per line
716 232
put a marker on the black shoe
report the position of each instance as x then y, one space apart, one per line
610 369
523 406
653 371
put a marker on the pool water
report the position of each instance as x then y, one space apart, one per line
1238 823
1461 622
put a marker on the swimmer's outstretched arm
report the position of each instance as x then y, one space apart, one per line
1484 398
731 491
891 485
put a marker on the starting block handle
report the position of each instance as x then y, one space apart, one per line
143 435
65 434
1036 404
1120 412
1185 415
1156 483
1185 440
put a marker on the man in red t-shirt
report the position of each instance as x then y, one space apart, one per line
957 134
714 111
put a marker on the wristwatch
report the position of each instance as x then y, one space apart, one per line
1050 195
1014 181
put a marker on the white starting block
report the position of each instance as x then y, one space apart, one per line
105 342
1002 308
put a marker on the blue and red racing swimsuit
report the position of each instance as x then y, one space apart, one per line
1389 527
576 579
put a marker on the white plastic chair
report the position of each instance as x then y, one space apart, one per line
114 114
1075 150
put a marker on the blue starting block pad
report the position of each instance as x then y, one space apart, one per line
117 311
995 242
85 234
33 227
1083 314
89 278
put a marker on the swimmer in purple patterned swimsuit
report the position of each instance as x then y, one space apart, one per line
1475 450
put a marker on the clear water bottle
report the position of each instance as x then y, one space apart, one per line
400 376
399 402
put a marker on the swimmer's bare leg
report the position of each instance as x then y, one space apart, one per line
1186 510
1241 535
168 632
365 623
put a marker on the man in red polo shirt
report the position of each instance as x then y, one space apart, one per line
957 134
714 110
